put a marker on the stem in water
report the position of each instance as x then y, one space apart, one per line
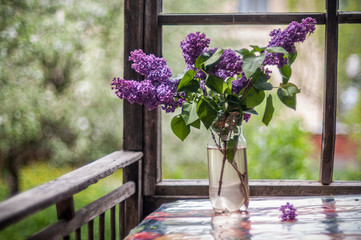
222 170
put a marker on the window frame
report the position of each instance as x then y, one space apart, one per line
142 128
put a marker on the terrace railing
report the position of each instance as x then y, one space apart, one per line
60 192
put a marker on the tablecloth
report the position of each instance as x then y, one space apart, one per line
322 217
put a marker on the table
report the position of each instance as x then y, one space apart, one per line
322 217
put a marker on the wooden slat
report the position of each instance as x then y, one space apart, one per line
65 210
199 188
86 214
112 223
152 119
78 234
349 17
237 18
91 230
121 221
330 94
24 204
101 229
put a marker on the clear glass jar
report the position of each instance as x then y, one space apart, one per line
227 168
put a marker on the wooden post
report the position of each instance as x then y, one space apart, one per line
330 93
152 119
65 210
133 113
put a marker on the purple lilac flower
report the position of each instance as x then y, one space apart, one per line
239 84
295 32
193 45
229 64
154 68
156 89
288 212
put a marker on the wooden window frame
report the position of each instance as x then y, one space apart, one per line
142 128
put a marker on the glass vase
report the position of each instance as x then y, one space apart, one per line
227 165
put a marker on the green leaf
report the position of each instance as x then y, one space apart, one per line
292 57
202 58
251 63
214 59
231 148
206 112
287 94
250 111
254 98
188 83
286 73
189 112
179 127
257 48
278 50
243 51
196 124
261 82
268 112
234 101
216 83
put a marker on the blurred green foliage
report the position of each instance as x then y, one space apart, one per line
57 59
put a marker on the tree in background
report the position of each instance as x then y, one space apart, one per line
56 59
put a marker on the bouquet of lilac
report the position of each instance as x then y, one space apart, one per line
217 84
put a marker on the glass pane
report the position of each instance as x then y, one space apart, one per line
286 149
232 6
350 5
348 153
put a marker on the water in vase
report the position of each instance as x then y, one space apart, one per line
234 192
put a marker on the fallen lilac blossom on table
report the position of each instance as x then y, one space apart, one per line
288 212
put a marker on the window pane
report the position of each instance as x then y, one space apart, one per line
286 149
350 5
232 6
348 154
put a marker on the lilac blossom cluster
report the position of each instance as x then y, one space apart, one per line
156 89
294 33
193 46
229 65
288 212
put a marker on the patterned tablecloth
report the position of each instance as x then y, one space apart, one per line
326 217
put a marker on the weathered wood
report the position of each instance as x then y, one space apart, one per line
133 205
101 229
112 224
65 210
86 214
330 93
349 17
78 234
91 230
199 188
121 221
237 18
133 39
26 203
152 119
